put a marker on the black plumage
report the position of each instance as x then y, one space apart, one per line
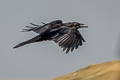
65 34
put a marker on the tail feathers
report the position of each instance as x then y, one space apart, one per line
22 44
35 39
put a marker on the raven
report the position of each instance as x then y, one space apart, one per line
65 34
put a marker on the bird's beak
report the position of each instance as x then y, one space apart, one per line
83 26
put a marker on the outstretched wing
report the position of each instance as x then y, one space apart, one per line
69 39
42 28
38 29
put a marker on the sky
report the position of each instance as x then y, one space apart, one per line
46 59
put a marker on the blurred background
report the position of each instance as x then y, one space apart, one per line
46 59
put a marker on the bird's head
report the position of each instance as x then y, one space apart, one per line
78 25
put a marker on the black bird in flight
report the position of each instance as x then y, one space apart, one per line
65 34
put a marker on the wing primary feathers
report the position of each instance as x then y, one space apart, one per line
80 42
77 44
62 43
71 42
58 38
64 48
67 50
82 38
35 24
65 43
74 45
68 42
72 48
43 23
29 27
70 45
61 38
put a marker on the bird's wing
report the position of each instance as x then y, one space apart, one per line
69 38
38 29
41 29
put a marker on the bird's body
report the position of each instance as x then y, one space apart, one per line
65 34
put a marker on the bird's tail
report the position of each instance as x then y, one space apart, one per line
35 39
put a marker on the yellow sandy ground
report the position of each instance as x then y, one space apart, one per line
105 71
